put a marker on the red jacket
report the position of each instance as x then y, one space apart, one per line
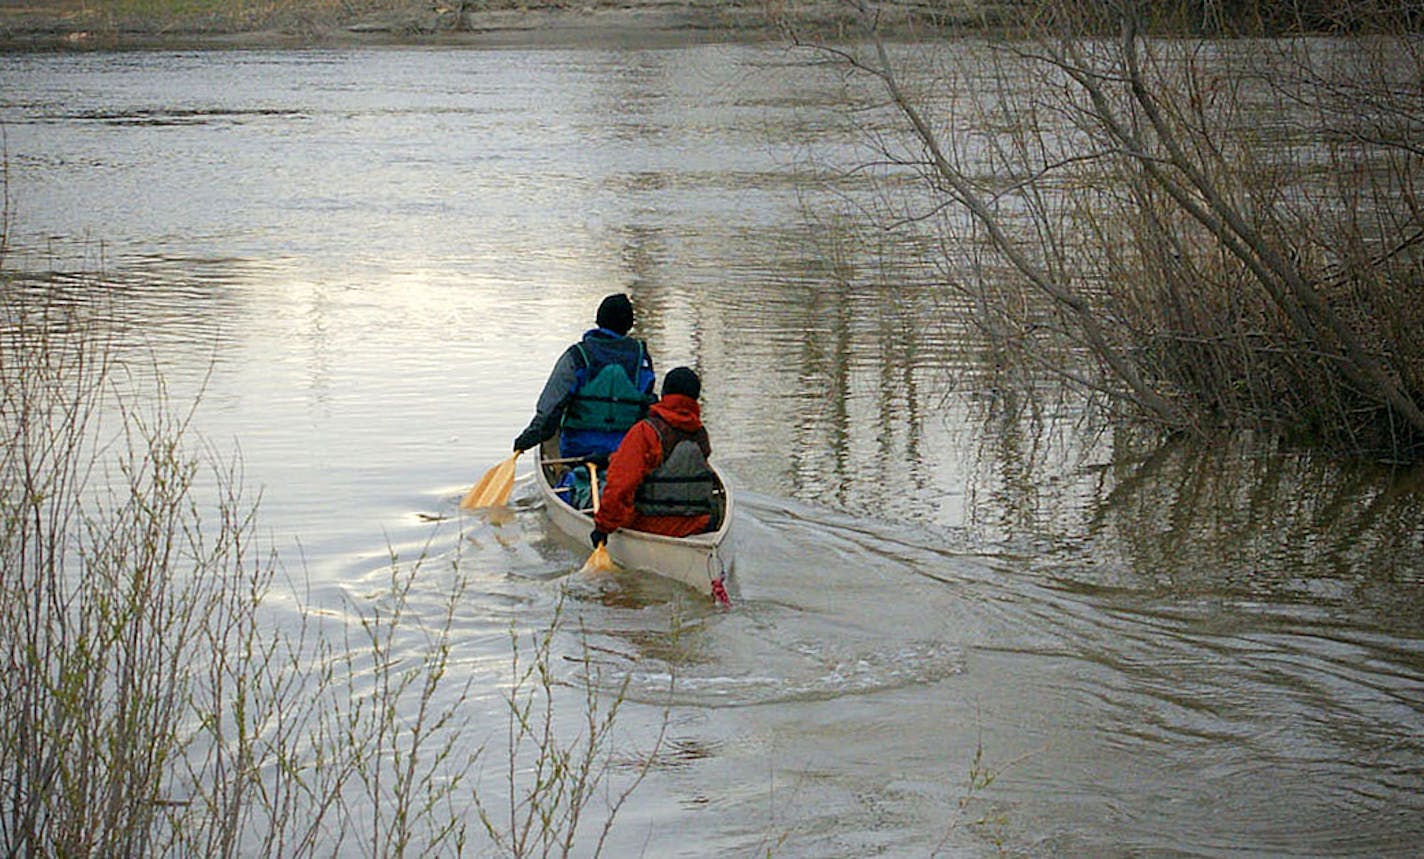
637 455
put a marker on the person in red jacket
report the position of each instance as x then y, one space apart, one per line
658 479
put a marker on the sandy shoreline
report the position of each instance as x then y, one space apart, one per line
38 25
75 25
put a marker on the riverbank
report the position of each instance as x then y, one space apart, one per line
192 24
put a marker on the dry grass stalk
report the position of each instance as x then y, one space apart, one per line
153 706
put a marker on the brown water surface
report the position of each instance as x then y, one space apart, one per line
367 261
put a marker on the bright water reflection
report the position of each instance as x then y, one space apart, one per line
367 262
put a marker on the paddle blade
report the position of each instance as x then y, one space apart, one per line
599 561
493 489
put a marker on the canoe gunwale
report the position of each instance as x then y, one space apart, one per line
698 560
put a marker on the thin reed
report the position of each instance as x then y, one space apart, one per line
155 705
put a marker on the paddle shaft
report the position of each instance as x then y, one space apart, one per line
600 561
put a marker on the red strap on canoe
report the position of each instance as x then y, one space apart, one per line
719 593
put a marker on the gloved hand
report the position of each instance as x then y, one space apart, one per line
597 538
527 439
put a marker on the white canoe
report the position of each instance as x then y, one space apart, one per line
700 561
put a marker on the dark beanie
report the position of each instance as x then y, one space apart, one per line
616 313
681 380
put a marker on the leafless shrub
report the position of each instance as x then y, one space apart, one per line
154 705
1226 229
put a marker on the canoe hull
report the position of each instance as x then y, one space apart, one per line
700 561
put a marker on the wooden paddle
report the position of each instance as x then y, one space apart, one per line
599 561
493 489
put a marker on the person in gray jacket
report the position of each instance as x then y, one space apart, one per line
599 387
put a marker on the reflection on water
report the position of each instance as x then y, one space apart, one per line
366 262
1240 523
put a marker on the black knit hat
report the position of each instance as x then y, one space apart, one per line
681 380
616 313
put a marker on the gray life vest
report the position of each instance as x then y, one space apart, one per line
682 484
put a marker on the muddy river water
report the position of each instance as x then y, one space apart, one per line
365 263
